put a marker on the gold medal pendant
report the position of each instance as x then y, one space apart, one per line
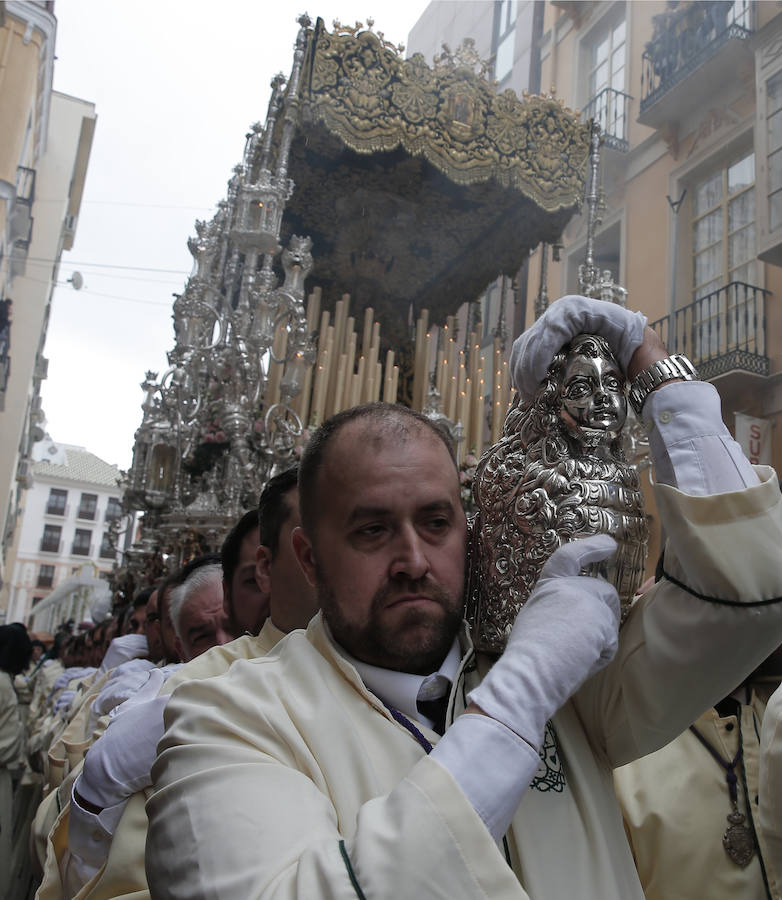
737 840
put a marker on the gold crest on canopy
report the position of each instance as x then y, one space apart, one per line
419 185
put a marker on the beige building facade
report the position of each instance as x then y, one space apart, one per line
44 152
689 99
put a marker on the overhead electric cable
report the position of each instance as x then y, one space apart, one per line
147 205
72 262
85 291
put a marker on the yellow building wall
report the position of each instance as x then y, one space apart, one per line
19 64
637 183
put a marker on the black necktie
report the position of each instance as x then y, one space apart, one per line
434 710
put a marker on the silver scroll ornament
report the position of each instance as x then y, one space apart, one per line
557 473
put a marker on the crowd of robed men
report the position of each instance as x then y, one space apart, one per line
247 745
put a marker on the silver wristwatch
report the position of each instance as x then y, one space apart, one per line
676 366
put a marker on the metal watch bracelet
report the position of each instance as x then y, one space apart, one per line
668 369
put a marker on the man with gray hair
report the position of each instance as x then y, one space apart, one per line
197 612
116 762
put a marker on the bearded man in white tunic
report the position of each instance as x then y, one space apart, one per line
320 770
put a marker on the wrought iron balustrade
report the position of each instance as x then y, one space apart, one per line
685 37
722 332
610 109
22 217
5 359
50 545
25 185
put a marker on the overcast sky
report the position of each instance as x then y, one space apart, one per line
176 83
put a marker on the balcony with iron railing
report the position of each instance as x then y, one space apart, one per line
50 545
113 513
695 50
107 551
21 221
610 109
45 580
25 185
5 358
722 333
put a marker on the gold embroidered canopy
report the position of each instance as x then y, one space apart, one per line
420 186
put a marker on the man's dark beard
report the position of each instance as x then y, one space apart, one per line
374 645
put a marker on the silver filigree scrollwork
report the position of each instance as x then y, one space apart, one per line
219 420
558 473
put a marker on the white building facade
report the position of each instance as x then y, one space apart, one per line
65 544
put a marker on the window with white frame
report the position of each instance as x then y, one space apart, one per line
505 38
45 576
87 506
723 256
107 550
58 498
113 509
723 227
606 52
82 538
774 150
50 541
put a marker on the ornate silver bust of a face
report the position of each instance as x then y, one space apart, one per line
558 473
593 388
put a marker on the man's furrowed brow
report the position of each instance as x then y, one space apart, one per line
360 513
443 505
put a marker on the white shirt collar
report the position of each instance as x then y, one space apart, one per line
401 689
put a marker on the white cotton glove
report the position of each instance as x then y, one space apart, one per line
123 683
70 674
119 763
64 701
149 689
565 318
565 632
121 649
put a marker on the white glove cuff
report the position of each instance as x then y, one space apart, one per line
90 834
507 766
529 722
